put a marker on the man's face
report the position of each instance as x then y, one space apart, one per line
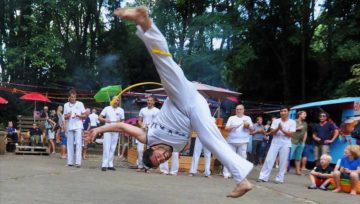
94 110
46 109
322 117
284 113
72 98
259 121
150 102
116 102
239 110
34 126
161 154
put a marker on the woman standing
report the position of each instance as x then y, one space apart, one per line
298 140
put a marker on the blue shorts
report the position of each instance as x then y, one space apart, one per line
296 151
63 138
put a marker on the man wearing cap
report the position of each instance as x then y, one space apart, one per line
110 114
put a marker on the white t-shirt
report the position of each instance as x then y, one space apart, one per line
240 134
148 115
78 109
279 138
113 114
94 119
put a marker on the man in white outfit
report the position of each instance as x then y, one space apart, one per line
110 114
74 112
282 130
94 119
196 156
239 127
184 109
146 117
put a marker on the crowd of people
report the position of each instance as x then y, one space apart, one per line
161 134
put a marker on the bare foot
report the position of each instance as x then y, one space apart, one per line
336 190
353 192
139 15
240 189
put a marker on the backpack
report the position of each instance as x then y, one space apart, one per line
355 133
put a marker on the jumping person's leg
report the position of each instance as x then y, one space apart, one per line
210 136
179 90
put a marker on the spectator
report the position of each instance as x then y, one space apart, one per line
321 175
94 119
61 131
35 134
298 140
239 127
198 147
258 141
324 134
349 168
86 125
282 129
51 122
146 117
110 114
74 111
12 137
11 132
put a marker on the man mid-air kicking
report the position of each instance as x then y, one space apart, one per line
184 109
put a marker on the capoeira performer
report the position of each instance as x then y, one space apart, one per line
146 117
74 112
196 156
110 114
184 109
282 130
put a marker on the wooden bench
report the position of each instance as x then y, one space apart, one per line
24 124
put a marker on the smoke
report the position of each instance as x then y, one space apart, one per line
108 69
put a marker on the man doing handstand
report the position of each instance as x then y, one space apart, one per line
184 109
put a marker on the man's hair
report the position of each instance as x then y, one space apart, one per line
325 113
150 96
300 112
146 158
72 91
285 107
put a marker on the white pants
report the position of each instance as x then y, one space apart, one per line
109 146
188 101
283 151
140 151
240 149
195 158
164 167
74 137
